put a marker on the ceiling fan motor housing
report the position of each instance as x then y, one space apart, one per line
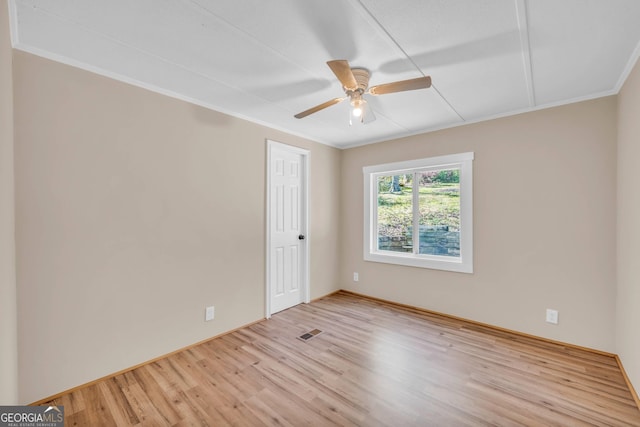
362 78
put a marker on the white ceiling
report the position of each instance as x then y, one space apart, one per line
264 60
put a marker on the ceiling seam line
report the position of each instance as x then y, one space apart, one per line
405 54
525 44
252 38
156 56
128 46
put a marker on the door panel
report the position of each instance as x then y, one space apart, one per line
286 224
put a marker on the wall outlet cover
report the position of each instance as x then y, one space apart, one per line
209 313
552 316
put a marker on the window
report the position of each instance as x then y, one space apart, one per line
420 213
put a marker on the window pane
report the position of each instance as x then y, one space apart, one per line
395 213
440 212
438 193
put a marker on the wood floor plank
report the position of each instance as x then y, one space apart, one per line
145 400
373 364
117 402
97 408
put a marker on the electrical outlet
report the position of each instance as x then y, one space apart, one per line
209 313
552 316
355 277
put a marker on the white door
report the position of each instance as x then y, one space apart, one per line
287 240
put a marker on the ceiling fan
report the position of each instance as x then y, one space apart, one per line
355 82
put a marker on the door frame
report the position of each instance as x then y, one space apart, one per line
305 288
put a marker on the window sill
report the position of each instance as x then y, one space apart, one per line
411 260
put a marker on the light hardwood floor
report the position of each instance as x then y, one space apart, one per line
374 364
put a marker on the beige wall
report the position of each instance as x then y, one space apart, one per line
8 337
628 307
544 224
133 212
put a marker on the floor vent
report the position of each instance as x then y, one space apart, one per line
307 336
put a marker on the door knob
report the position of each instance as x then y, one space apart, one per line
301 237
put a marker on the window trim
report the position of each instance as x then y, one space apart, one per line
463 263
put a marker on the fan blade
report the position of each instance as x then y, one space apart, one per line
342 70
318 108
401 86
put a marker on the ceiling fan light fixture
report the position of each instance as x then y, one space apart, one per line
357 103
361 112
